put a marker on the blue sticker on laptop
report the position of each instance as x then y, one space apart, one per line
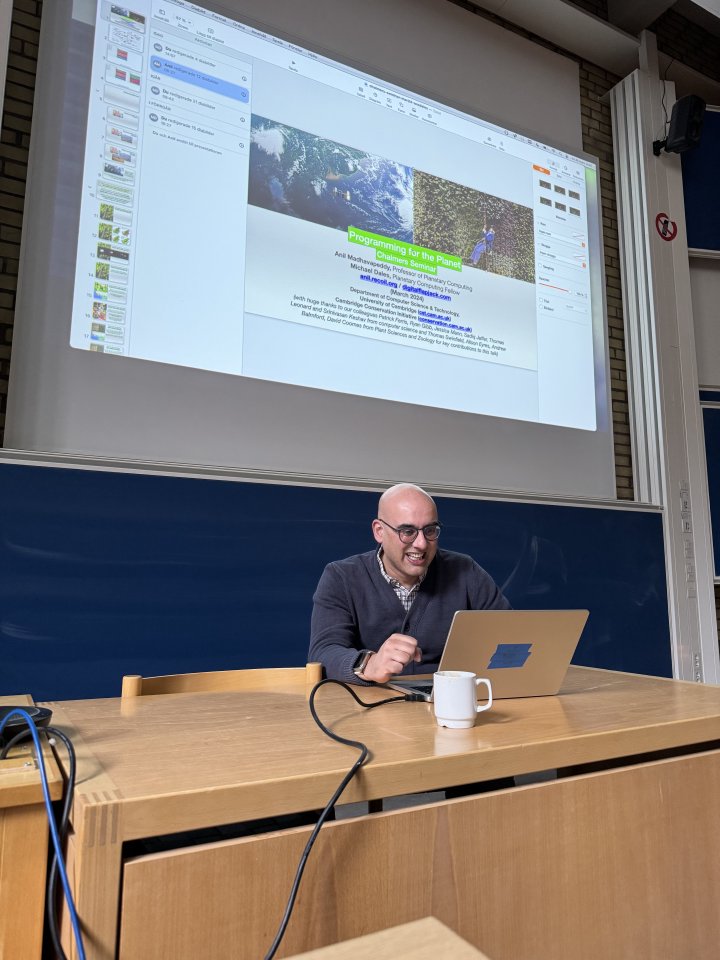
509 655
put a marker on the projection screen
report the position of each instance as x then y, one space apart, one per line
300 245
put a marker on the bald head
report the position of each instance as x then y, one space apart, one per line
403 493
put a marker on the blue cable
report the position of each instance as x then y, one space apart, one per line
51 821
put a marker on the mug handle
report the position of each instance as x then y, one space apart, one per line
484 706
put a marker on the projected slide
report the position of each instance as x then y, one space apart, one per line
255 209
381 207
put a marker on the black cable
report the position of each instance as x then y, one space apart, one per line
51 904
54 833
52 918
662 101
364 754
23 735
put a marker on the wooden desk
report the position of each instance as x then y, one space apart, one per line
425 939
622 862
23 846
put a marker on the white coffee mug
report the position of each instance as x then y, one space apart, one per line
455 698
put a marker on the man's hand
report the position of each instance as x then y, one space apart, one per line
393 656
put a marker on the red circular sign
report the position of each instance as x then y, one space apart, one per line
666 227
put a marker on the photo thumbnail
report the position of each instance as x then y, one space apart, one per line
328 183
485 231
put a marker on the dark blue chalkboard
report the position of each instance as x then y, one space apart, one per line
711 424
109 573
701 186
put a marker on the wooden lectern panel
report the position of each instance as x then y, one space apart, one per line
621 863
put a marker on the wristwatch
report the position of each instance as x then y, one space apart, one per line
361 663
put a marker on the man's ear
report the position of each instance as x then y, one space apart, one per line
377 529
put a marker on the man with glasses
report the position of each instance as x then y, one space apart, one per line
388 611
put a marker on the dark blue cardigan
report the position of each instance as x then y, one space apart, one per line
356 609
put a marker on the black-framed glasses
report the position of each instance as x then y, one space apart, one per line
408 533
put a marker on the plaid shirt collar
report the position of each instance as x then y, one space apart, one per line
405 595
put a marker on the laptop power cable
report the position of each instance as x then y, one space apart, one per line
364 753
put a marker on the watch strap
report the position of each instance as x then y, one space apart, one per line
361 663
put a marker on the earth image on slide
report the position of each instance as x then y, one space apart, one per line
306 176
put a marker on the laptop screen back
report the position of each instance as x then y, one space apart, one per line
524 653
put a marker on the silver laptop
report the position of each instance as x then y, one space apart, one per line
524 653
